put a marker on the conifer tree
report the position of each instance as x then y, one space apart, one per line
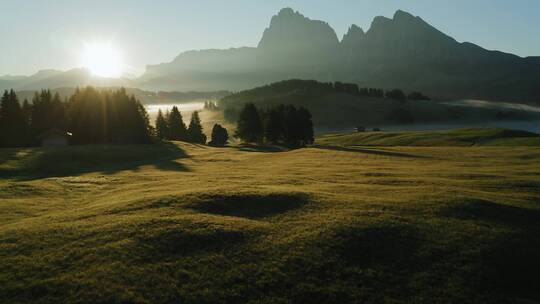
306 126
27 111
162 127
13 128
220 136
274 125
195 131
177 128
249 126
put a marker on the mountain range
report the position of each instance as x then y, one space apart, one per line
402 52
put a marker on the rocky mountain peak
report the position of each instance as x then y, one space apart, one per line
290 29
354 36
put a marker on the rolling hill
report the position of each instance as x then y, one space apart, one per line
193 224
462 137
334 108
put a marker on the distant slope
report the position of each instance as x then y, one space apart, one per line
333 107
462 137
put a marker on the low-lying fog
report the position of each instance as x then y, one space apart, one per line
479 114
185 108
527 125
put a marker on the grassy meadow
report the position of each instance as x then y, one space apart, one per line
333 223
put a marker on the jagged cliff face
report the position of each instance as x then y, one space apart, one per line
404 51
289 29
295 41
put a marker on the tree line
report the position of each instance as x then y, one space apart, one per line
281 124
314 87
92 116
89 116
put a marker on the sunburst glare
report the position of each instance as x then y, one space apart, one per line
102 59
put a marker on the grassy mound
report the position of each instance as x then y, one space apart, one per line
461 137
224 225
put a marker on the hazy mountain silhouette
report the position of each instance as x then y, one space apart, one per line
59 79
404 52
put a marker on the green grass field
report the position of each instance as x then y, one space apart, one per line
181 223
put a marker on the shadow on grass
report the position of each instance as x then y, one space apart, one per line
368 151
184 241
250 205
509 265
380 245
262 148
8 154
483 210
107 159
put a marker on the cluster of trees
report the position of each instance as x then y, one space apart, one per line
417 96
282 124
398 94
211 106
354 89
171 126
88 116
101 116
315 87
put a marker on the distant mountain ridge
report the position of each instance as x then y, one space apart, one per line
52 79
404 51
399 52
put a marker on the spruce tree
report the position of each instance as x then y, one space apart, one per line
13 128
195 131
162 127
249 126
306 126
292 126
274 125
177 128
27 111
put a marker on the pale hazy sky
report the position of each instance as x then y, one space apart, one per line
43 34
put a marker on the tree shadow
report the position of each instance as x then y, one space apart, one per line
106 159
509 265
483 210
388 246
8 154
262 148
250 205
369 151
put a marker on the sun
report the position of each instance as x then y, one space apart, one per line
102 59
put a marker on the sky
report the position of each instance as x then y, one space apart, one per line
51 34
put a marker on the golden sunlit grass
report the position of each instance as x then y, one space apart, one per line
193 224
